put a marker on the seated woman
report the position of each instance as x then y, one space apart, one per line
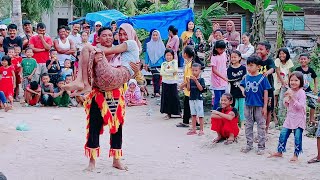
110 77
133 96
224 121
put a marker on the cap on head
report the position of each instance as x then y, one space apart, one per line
3 26
97 23
25 22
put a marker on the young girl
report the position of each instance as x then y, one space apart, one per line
219 80
67 69
236 72
133 96
224 121
7 78
16 63
283 64
170 103
295 101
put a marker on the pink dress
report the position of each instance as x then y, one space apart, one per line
296 114
219 63
173 44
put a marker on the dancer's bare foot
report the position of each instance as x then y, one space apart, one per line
118 165
92 165
294 159
276 155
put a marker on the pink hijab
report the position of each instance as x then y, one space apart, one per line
132 35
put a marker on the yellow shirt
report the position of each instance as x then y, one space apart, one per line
169 71
185 35
187 73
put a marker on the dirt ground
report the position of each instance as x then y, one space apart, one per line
154 149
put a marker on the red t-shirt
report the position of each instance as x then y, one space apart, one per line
16 63
41 57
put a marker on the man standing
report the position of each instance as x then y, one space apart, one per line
3 34
28 32
94 35
41 45
75 36
86 28
12 40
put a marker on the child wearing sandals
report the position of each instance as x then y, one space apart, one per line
295 101
196 86
224 120
255 89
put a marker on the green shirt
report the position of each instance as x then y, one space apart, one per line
28 65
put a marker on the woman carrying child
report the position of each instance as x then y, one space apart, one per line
170 103
295 101
224 121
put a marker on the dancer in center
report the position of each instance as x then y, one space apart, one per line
105 104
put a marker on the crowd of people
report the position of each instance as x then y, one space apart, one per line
103 67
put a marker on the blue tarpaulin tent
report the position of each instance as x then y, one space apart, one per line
160 20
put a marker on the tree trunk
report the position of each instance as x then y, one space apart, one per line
280 31
16 16
258 26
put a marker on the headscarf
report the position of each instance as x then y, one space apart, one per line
233 26
194 36
144 47
132 35
155 49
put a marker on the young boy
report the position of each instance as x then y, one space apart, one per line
16 63
32 94
61 97
29 68
308 75
255 88
73 99
267 69
46 90
66 70
317 158
196 86
53 67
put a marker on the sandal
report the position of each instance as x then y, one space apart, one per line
246 149
182 125
217 140
229 141
192 132
200 133
167 117
314 160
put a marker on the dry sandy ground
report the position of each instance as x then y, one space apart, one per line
154 149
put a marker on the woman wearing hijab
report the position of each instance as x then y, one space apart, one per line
154 58
200 45
232 35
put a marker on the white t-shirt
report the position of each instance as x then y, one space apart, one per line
131 55
284 72
76 39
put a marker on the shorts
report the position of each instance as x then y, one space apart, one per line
196 108
312 103
318 131
25 83
270 106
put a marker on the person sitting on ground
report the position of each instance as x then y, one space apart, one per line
46 90
133 96
32 94
111 77
3 102
224 121
61 97
66 70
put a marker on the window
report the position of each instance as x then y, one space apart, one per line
293 22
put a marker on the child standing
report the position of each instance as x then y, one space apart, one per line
133 96
224 121
219 80
188 55
61 97
255 89
66 70
295 101
46 90
317 158
308 75
170 102
196 86
16 63
283 65
32 94
29 68
267 69
53 67
8 78
236 73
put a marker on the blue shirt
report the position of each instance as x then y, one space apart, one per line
254 89
150 64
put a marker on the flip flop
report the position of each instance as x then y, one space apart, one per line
215 141
313 160
229 141
192 133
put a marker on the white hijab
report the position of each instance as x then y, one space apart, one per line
155 49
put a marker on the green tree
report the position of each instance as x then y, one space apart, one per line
261 8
